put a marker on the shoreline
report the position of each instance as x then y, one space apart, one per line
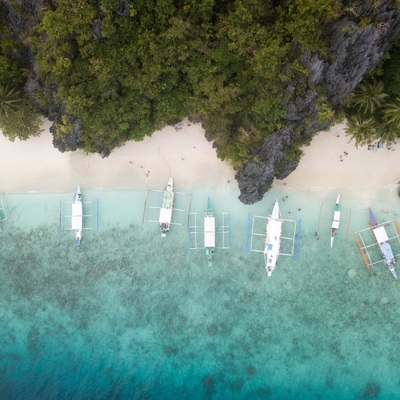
329 163
181 152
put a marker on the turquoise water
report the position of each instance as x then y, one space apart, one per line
130 315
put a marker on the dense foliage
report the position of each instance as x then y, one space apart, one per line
18 118
120 69
373 109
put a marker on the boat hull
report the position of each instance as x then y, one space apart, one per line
77 216
167 206
382 241
273 239
209 232
335 220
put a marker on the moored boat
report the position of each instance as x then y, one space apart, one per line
382 241
273 239
167 205
209 232
77 216
335 220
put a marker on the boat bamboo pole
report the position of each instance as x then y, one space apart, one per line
246 242
229 230
144 209
190 206
296 256
97 215
348 223
319 217
397 226
361 250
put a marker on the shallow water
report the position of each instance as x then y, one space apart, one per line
132 315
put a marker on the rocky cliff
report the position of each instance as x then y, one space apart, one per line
353 50
355 43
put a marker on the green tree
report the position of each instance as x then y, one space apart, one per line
391 72
305 20
18 118
22 123
388 133
360 129
368 97
10 101
10 73
391 113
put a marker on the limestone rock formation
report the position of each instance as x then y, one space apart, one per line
353 51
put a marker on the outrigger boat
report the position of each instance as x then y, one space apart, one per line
382 240
335 220
273 239
212 234
166 207
77 216
209 232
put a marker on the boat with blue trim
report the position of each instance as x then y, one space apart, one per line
382 241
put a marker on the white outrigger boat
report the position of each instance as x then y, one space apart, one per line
209 232
213 234
335 220
77 216
273 239
167 206
382 241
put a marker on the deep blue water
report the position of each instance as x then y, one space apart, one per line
130 315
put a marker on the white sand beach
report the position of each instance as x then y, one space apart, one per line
331 162
185 154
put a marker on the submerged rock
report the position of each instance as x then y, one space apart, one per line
371 391
352 273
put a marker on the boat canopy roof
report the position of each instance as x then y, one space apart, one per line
274 228
380 234
165 215
336 220
387 251
77 215
209 231
168 199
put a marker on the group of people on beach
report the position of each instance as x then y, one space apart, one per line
341 157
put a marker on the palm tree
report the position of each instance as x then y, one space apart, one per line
10 100
388 134
360 129
368 97
391 113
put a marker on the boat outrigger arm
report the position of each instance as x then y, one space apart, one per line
209 232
